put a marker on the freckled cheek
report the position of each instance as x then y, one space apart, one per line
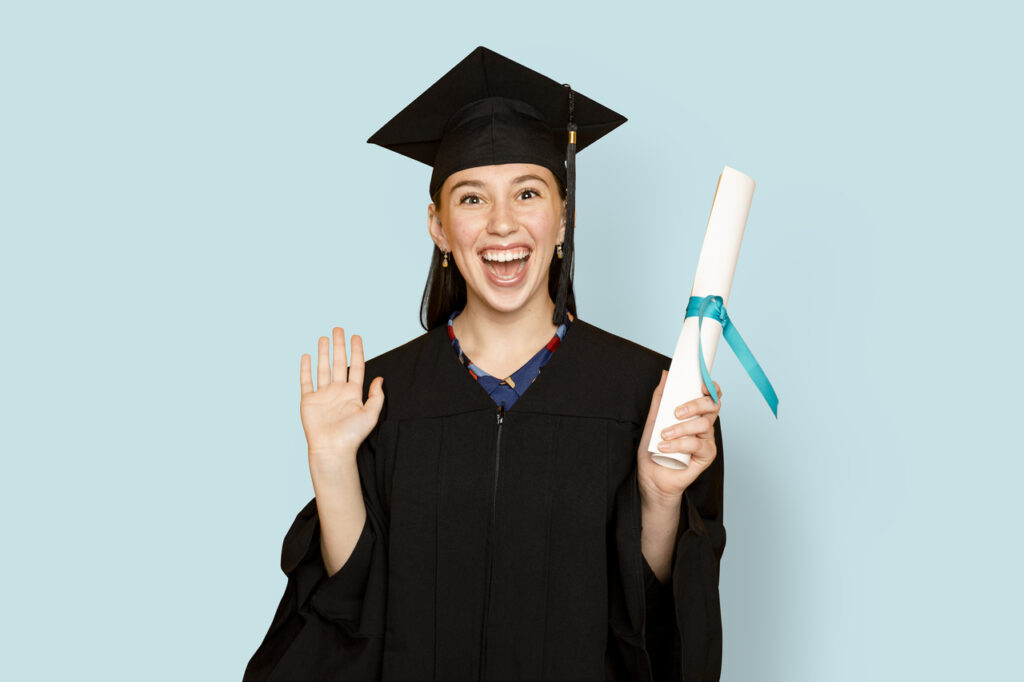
465 236
539 222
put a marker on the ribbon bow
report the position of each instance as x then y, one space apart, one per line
714 308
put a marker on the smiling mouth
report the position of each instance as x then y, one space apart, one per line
506 264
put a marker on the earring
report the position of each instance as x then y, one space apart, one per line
444 261
558 251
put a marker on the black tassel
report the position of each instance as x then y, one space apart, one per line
565 277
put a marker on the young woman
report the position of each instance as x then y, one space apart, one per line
486 506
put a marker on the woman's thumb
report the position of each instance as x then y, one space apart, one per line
375 397
652 413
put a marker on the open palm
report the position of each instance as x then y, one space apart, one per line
334 416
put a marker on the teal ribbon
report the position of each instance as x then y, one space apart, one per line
714 308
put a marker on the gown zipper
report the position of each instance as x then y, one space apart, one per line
491 543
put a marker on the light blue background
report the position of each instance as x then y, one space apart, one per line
187 202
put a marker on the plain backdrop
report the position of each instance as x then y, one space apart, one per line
187 202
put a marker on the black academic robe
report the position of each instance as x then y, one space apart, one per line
505 544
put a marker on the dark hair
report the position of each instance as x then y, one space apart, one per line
446 288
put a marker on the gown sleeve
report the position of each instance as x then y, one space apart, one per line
330 627
683 622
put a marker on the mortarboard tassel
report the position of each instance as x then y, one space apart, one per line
565 278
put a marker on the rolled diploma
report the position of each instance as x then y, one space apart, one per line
715 269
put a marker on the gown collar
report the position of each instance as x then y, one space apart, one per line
570 385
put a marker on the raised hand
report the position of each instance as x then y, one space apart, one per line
695 435
334 417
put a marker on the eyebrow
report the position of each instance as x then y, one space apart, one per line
464 183
524 178
478 184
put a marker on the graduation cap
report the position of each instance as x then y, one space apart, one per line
490 110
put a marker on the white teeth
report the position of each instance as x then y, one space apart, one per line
509 278
505 255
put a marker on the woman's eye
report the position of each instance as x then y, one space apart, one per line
528 194
470 199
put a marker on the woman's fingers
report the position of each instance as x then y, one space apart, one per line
340 361
323 363
341 370
690 445
699 417
700 426
355 374
305 375
696 406
718 389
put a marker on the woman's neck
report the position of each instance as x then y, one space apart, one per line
499 342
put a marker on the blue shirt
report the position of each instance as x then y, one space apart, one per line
505 392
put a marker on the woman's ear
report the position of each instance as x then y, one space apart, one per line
435 229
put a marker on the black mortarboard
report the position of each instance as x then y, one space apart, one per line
491 110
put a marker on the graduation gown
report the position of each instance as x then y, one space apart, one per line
505 544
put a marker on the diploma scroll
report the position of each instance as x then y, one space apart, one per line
715 269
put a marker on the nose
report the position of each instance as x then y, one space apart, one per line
502 220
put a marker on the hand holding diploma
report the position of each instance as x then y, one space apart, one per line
695 435
661 487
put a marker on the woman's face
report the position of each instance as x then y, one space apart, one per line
501 224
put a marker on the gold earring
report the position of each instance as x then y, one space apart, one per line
558 250
444 261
